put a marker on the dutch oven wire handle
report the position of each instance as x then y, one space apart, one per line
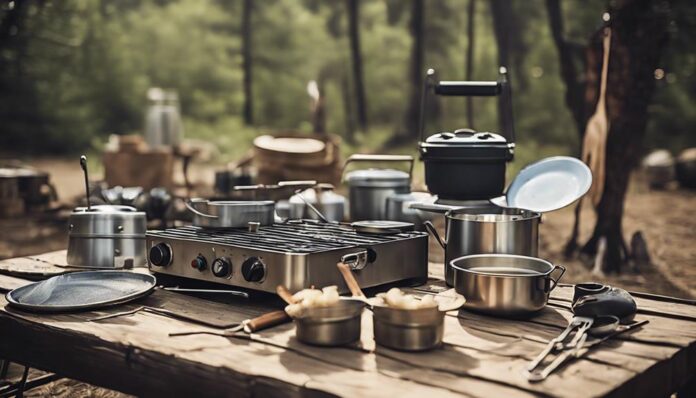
378 158
500 88
197 212
555 281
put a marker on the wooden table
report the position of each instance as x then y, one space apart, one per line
482 356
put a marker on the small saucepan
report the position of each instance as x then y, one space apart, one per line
505 285
231 213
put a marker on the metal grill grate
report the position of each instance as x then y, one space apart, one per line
291 237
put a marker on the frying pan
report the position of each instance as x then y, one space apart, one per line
80 291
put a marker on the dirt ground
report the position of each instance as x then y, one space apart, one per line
666 219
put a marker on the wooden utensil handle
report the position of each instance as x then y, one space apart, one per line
350 280
266 321
285 294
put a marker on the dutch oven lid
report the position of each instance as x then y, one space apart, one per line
378 178
466 143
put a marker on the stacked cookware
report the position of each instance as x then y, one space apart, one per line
491 235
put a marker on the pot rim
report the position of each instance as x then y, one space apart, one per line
232 203
502 274
465 214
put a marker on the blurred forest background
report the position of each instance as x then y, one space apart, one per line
74 71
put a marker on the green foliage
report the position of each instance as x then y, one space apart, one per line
78 70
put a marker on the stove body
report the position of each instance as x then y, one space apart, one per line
295 254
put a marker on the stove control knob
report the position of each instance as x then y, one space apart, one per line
199 263
222 267
160 255
253 269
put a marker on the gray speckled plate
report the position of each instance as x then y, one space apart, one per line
547 185
82 291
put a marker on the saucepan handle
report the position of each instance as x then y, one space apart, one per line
431 228
266 321
555 281
468 88
197 212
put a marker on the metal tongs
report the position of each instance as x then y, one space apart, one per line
596 316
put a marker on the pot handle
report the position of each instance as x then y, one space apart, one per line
555 281
197 212
379 158
431 228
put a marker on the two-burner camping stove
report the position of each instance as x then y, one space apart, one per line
297 254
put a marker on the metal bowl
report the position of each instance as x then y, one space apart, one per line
408 330
330 326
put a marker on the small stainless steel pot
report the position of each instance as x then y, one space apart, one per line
323 197
504 284
231 214
106 236
408 330
486 230
370 188
330 326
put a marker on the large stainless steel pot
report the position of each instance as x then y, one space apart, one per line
485 230
231 214
370 188
504 284
408 330
330 326
106 236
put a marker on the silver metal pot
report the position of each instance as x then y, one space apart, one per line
487 230
398 208
370 188
330 326
408 330
504 284
323 197
231 214
106 236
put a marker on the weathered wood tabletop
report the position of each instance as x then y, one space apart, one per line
482 356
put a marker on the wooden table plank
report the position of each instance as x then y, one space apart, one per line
482 355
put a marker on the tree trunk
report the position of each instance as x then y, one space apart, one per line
356 56
470 35
567 58
415 70
248 111
574 98
638 36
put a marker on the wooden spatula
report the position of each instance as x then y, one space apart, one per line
595 141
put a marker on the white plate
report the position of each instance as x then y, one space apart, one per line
549 184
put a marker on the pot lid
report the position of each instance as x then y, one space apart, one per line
466 145
381 227
378 177
466 137
547 185
106 209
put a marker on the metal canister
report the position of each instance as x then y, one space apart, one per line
107 236
370 188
